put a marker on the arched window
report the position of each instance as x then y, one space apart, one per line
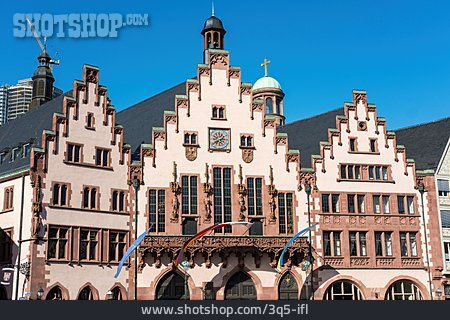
216 39
208 39
54 294
56 194
193 138
114 201
93 198
116 294
63 194
240 287
288 287
403 290
249 141
277 105
172 287
121 201
86 197
85 294
269 106
343 290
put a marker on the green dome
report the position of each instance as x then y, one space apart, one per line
266 82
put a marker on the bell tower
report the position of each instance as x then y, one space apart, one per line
213 34
42 81
269 90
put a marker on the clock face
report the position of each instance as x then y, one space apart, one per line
219 139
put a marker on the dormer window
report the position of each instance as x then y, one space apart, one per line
190 138
14 154
218 112
25 150
2 157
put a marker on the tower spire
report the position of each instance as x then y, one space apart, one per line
212 8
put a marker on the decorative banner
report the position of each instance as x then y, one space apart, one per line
7 276
130 250
203 233
280 261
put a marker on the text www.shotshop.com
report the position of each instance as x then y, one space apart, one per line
266 309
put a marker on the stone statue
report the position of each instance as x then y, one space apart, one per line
208 204
175 206
242 207
273 207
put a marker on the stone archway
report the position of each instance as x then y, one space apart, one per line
172 286
240 287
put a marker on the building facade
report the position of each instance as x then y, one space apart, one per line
4 103
86 180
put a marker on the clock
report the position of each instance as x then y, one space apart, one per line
219 139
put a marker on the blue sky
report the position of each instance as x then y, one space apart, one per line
320 50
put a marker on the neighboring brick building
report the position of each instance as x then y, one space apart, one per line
212 149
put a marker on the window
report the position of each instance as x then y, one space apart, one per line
222 197
88 244
342 290
325 202
351 203
14 154
57 242
352 144
377 173
410 203
117 245
6 243
246 140
335 203
2 157
408 244
254 196
90 121
285 213
373 145
288 287
73 153
86 294
350 172
401 204
443 187
59 194
102 157
383 244
361 205
8 198
332 243
90 198
386 206
190 138
384 172
118 201
447 251
371 176
403 290
269 106
157 210
116 294
189 195
218 112
376 203
358 243
277 105
25 150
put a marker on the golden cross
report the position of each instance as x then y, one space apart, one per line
265 64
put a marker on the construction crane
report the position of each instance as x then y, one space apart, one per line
53 60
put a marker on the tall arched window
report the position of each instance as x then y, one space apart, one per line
56 194
277 105
121 201
116 294
403 290
269 106
114 200
54 294
343 290
216 39
86 197
93 198
63 194
288 287
86 294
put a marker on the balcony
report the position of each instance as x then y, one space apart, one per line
224 245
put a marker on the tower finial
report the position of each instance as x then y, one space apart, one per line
265 64
212 8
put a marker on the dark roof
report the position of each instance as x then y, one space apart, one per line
139 119
213 23
27 128
306 134
425 143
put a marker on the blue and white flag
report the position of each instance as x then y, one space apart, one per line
130 250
